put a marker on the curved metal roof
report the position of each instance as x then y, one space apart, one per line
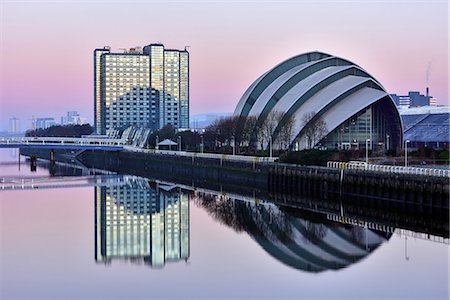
312 82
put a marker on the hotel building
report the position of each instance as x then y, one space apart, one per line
146 87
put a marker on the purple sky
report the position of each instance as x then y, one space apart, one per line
46 46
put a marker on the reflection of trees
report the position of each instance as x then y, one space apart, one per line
299 239
257 220
221 209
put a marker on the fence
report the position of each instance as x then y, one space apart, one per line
193 155
357 165
59 140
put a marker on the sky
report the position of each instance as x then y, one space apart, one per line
46 58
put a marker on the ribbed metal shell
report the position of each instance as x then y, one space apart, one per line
332 87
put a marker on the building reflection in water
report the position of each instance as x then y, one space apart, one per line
141 222
300 239
148 222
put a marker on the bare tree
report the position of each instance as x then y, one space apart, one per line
249 131
269 126
286 132
229 130
315 128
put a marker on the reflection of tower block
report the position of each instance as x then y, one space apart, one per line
139 222
170 226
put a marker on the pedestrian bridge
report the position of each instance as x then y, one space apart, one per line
62 143
11 183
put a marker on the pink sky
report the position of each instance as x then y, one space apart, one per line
46 46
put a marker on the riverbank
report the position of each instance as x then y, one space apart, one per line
276 178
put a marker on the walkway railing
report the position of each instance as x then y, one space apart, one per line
357 165
61 182
205 155
60 141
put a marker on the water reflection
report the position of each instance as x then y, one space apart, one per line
306 243
141 222
148 222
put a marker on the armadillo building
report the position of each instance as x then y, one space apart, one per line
352 106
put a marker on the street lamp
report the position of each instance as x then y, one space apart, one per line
387 138
270 146
367 151
406 152
201 144
179 143
157 142
234 141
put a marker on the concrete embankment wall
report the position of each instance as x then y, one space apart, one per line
206 172
318 182
282 180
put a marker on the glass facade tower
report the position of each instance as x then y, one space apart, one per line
148 88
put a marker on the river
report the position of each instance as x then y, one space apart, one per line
80 234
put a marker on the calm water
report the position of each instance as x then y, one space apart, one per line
80 236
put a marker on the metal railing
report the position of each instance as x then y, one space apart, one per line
357 165
194 155
387 228
217 156
60 141
61 182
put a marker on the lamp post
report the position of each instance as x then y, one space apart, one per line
367 151
270 146
179 143
201 144
406 152
234 141
387 138
157 142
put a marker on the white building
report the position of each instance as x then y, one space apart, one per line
14 125
353 106
73 117
43 123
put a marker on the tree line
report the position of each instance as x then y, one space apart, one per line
61 131
246 134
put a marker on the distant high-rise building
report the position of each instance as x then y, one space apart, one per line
414 99
144 88
14 125
43 123
72 117
33 122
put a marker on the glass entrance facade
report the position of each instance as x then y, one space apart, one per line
372 127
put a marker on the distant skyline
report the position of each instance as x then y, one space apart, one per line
46 59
